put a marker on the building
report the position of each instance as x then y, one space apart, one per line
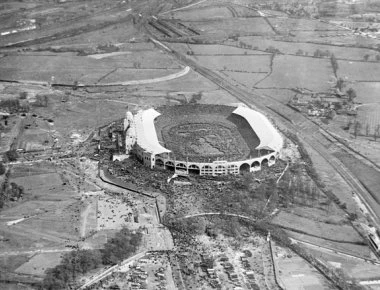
142 137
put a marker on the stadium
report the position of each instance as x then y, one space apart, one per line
203 139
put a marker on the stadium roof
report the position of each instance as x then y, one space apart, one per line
270 139
146 132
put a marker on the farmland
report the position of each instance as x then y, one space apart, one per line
307 49
283 76
359 71
247 26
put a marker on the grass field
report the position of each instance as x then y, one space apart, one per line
359 71
295 24
68 68
39 263
292 72
250 26
338 232
369 115
367 92
289 47
240 63
203 13
213 49
296 273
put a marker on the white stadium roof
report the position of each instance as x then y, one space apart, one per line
146 132
265 131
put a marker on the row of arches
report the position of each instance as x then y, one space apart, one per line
218 169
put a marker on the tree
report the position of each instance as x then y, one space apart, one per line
334 63
376 132
123 245
367 129
378 57
11 155
366 57
357 127
318 53
2 168
41 101
351 93
339 84
299 52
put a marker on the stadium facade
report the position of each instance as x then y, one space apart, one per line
141 139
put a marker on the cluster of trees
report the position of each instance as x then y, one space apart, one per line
195 98
13 106
78 262
320 53
273 50
334 64
10 191
367 56
41 101
11 155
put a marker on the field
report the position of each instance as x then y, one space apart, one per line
204 13
330 231
368 115
209 132
289 47
293 72
295 272
359 71
244 26
239 63
295 24
341 38
249 80
68 67
367 92
214 49
39 263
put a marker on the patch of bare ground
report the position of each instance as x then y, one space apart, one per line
355 268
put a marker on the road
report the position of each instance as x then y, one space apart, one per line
217 213
111 270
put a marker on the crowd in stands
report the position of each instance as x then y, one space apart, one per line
183 128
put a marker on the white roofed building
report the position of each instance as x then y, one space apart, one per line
270 139
147 145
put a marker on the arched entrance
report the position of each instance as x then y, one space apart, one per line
181 166
255 165
245 168
169 165
194 169
159 163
